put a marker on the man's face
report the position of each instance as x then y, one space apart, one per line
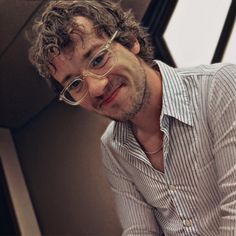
119 95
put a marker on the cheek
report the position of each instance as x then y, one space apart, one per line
86 104
125 56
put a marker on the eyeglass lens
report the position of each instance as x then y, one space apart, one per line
99 66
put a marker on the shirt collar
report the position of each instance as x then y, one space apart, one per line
175 99
175 102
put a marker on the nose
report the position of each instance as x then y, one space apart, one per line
96 87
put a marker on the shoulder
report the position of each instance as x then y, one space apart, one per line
222 94
223 83
203 70
226 74
210 77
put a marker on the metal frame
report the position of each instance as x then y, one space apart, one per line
157 18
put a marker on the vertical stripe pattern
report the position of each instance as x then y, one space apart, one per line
196 195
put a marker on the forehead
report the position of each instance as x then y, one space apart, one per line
65 62
86 28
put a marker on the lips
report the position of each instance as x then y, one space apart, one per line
111 96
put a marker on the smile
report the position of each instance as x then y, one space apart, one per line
111 97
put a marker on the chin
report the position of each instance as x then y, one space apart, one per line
113 116
116 113
122 117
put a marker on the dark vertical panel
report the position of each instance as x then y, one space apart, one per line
156 19
225 34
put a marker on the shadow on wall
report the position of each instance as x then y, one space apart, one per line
60 156
59 148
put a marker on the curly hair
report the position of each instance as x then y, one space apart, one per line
51 31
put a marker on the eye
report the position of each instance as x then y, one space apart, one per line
99 60
76 85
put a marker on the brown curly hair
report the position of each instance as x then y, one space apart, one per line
51 31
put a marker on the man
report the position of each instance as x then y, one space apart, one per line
170 151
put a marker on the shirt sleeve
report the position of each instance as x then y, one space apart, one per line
223 126
135 215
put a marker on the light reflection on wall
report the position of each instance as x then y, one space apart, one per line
194 30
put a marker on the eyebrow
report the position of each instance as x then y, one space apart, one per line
66 78
84 57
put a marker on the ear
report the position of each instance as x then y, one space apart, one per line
136 47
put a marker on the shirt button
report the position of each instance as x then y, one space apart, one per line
187 223
172 187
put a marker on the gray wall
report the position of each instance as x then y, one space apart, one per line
60 155
58 146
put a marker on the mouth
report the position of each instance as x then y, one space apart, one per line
111 96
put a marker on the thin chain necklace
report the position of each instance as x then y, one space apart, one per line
156 151
133 128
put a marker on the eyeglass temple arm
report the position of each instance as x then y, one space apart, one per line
112 38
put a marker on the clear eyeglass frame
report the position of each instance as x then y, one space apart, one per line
82 91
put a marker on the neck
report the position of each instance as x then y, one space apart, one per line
147 121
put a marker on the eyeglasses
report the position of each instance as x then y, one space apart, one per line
98 67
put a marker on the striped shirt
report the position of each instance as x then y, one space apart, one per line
196 194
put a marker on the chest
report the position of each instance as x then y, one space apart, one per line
185 165
157 161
